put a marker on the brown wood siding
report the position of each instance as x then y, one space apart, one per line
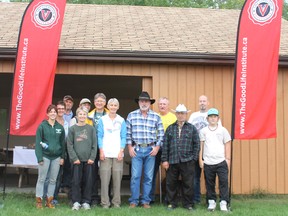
258 164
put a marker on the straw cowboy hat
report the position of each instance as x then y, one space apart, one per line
181 108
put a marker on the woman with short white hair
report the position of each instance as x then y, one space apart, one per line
111 142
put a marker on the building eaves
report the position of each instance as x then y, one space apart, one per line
140 57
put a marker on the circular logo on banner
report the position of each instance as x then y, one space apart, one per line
262 12
45 15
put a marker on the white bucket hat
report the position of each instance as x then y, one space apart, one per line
181 108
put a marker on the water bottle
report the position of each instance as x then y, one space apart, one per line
44 145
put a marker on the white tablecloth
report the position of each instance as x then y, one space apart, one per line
24 156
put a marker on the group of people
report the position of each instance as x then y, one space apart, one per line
69 148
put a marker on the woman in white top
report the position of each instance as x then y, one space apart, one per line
111 142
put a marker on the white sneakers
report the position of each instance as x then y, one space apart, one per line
76 206
212 205
86 206
223 205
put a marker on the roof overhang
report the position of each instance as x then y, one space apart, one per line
140 57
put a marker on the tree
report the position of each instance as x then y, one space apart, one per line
217 4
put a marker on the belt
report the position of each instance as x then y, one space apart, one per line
144 145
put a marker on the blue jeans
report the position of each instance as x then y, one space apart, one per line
50 168
144 161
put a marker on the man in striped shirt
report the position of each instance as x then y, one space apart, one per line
144 137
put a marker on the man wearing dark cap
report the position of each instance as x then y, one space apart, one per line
68 115
144 137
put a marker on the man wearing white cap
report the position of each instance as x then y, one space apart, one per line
86 103
180 151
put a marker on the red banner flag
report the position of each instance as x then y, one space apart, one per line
257 56
35 65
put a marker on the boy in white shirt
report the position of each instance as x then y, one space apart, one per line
214 156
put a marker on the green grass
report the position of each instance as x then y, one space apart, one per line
16 204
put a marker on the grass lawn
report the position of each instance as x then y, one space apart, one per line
16 204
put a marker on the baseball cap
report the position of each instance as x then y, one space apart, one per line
213 111
85 100
68 97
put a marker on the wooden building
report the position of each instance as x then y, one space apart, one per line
180 53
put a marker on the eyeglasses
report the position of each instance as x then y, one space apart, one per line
100 101
60 108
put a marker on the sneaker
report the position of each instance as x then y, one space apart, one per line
212 205
86 206
223 205
76 206
55 202
190 208
170 207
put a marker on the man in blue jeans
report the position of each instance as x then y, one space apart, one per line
144 137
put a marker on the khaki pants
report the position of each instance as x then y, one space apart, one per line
106 166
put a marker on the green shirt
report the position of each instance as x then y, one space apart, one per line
54 137
82 143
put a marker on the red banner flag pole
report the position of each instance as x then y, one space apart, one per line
256 70
35 66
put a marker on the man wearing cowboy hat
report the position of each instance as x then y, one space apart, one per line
179 152
144 137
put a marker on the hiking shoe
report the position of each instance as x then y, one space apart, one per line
76 206
86 206
223 205
190 208
212 205
146 205
94 203
132 205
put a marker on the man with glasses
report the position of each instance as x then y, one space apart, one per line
93 119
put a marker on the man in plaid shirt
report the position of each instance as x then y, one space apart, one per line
144 137
179 152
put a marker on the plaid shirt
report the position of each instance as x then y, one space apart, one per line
144 130
180 149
